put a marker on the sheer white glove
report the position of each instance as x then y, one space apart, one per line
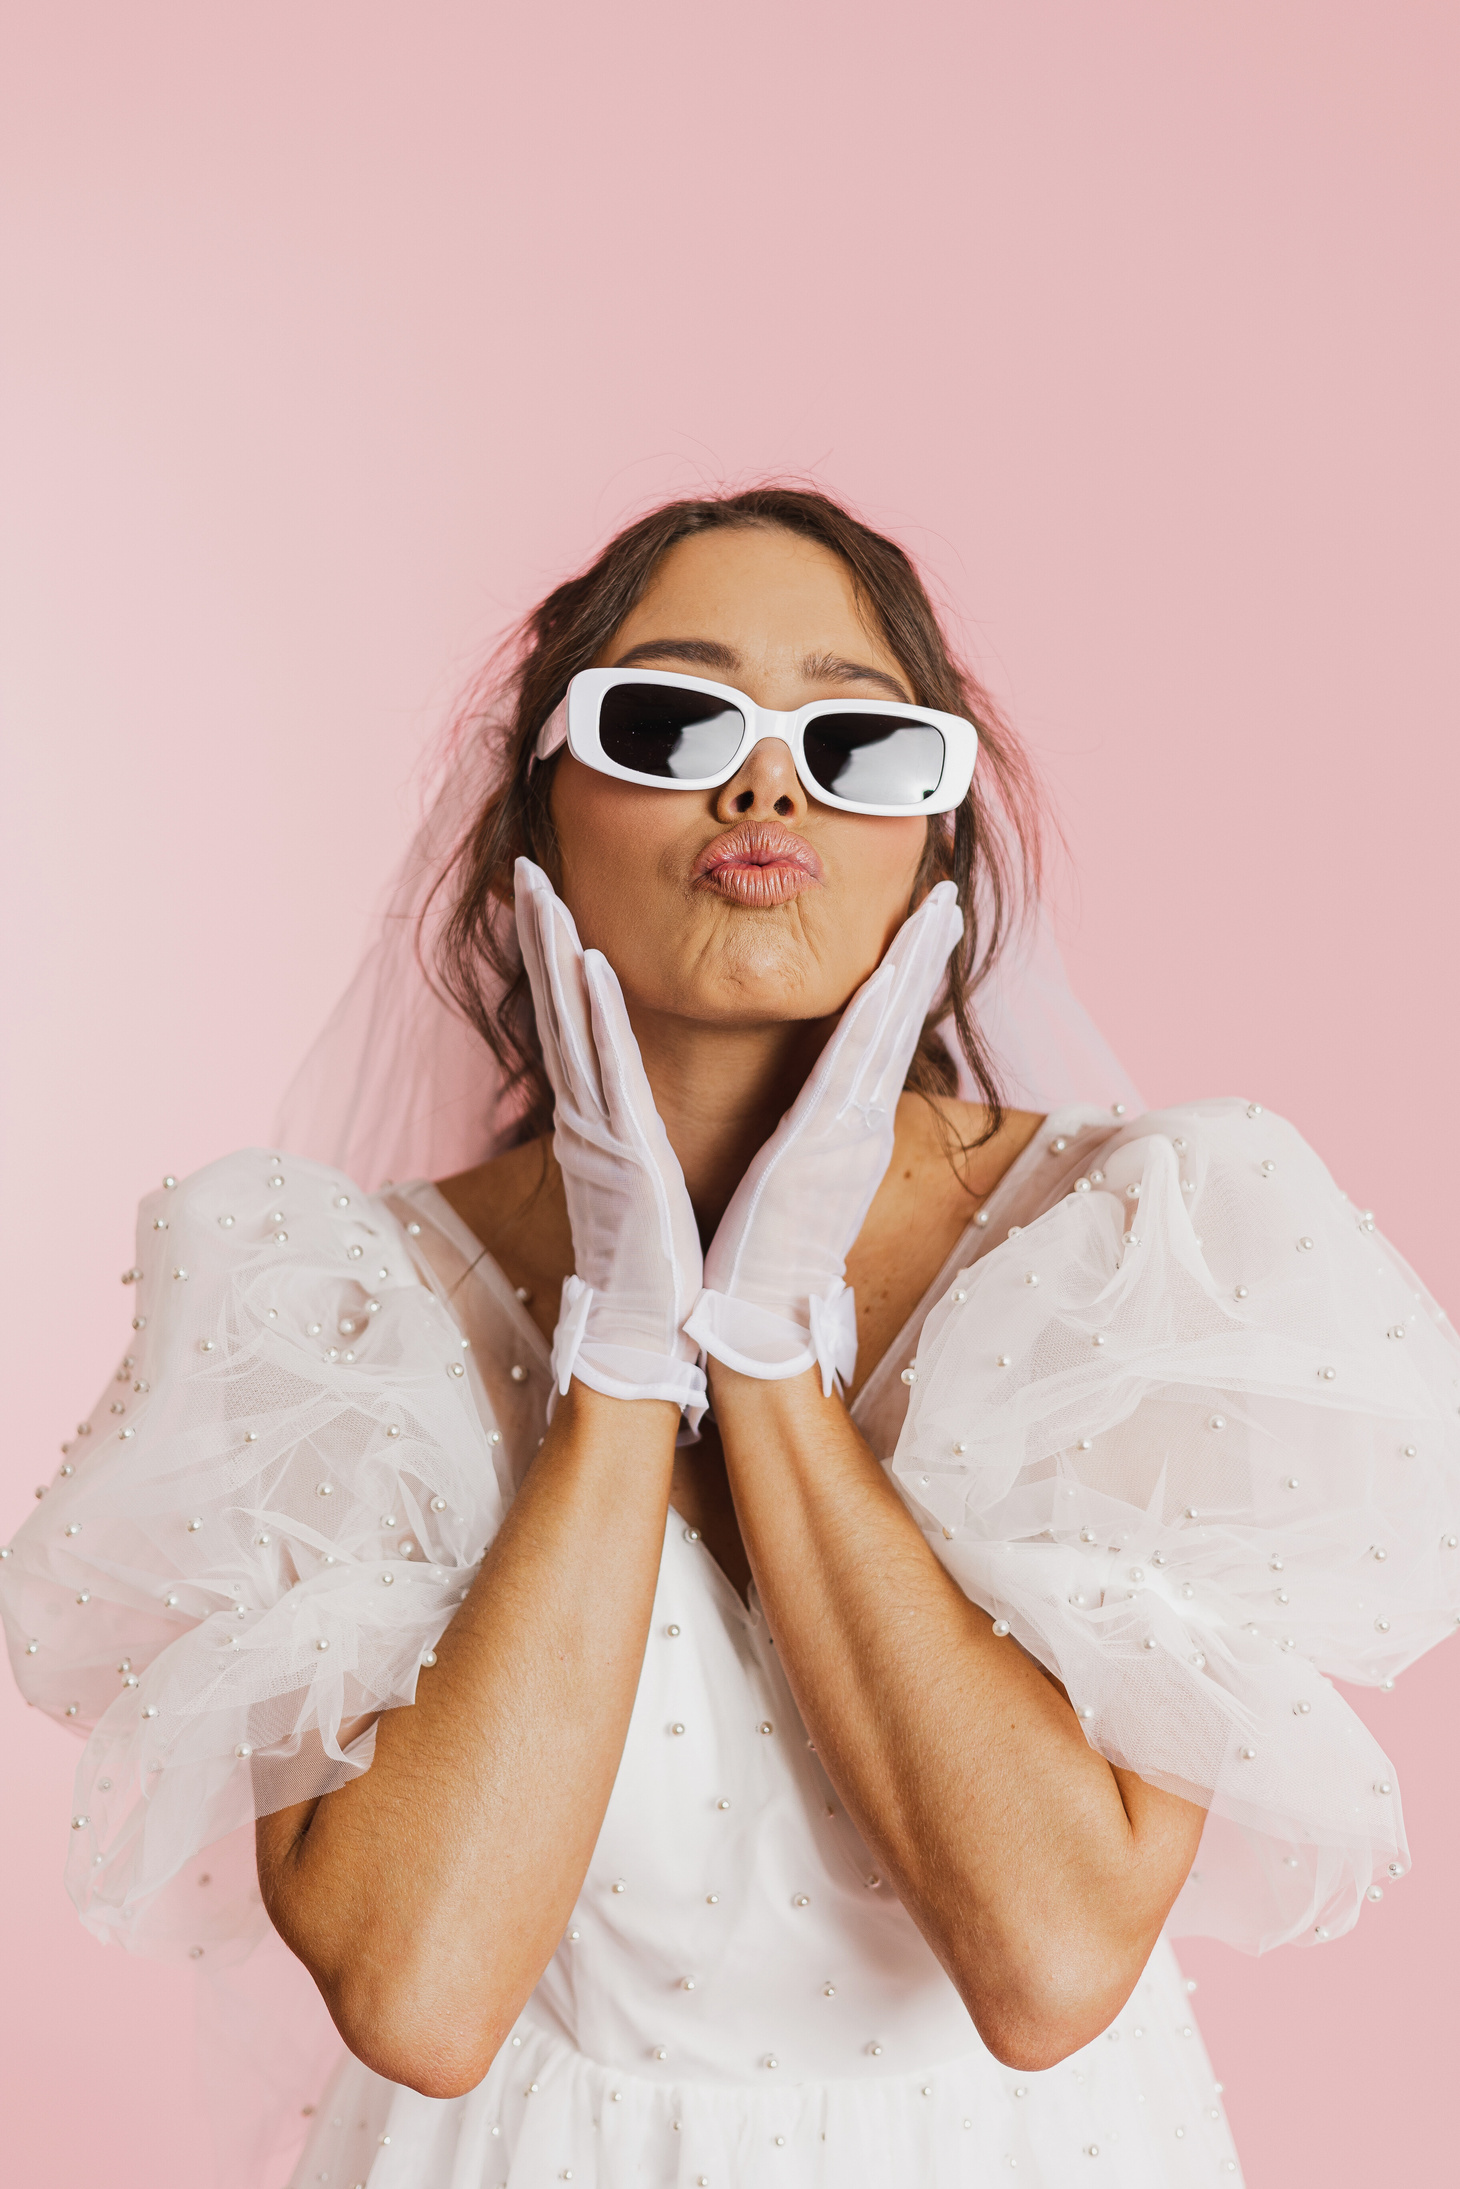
775 1301
636 1248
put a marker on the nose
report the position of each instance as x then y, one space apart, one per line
767 785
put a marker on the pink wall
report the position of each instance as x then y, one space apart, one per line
336 332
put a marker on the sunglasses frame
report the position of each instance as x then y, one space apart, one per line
574 722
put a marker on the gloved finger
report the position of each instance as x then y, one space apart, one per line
865 1062
553 958
635 1121
917 962
628 1097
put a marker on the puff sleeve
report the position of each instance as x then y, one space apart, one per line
256 1540
1193 1434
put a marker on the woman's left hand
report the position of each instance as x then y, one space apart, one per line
775 1301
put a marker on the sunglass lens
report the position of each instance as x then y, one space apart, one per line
875 760
659 730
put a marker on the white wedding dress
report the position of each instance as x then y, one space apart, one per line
1173 1410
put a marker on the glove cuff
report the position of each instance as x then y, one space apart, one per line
759 1341
619 1371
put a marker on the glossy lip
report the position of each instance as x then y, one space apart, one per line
759 865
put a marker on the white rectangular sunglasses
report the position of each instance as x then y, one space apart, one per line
686 733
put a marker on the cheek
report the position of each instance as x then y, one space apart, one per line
618 845
871 868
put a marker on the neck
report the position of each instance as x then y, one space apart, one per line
721 1091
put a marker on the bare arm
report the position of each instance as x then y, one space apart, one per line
1039 1875
427 1896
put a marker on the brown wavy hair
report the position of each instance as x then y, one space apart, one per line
989 846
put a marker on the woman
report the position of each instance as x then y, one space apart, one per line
847 1548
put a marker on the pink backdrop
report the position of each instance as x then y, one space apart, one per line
337 332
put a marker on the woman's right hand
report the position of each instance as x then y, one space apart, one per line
636 1248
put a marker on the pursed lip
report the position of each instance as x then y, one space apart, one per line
758 864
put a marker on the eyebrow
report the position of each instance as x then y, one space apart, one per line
711 653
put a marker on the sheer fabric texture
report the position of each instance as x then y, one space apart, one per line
1173 1410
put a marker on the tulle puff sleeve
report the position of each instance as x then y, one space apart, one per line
1193 1435
254 1542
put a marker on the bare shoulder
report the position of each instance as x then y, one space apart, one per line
516 1207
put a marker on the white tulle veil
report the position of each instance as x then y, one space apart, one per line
398 1085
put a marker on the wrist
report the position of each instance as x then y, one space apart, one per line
737 1398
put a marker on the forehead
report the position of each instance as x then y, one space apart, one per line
761 590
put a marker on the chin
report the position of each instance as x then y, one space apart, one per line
756 970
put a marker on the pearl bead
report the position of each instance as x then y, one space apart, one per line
712 1900
909 1375
982 1218
875 2051
1097 1178
321 1643
686 1983
1240 1293
1082 1185
1381 1626
722 1805
1001 1628
1099 1338
828 1991
619 1886
1319 1931
438 1504
771 2060
874 1883
1411 1451
691 1535
1005 1361
958 1298
1382 1786
1303 1245
1218 1421
518 1372
193 1526
959 1450
1328 1374
676 1727
779 2141
1031 1278
765 1726
1057 1147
